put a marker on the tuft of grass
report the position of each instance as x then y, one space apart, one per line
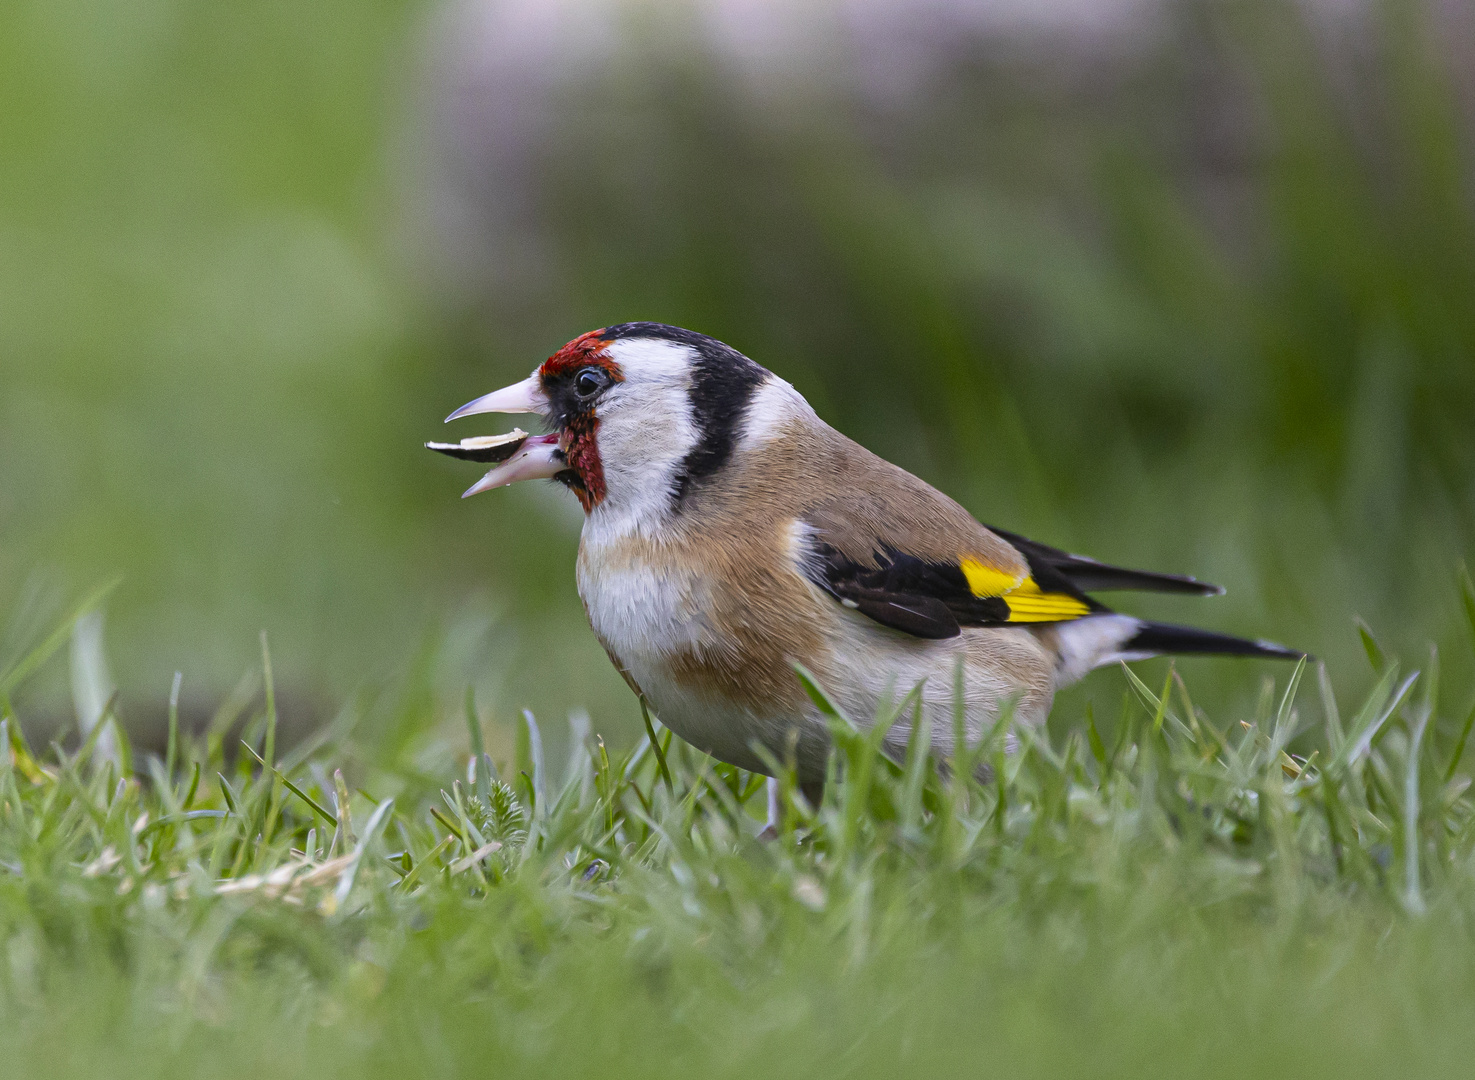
1182 895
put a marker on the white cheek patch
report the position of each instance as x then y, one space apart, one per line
646 430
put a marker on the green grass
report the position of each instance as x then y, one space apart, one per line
1162 893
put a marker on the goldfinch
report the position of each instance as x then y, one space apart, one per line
730 534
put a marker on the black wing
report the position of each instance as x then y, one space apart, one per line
931 599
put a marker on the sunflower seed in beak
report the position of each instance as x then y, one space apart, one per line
488 449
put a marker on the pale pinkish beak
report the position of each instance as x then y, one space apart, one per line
539 458
524 397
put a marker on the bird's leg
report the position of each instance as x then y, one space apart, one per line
775 810
812 790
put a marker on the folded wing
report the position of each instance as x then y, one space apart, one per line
933 586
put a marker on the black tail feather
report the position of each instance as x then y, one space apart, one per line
1088 575
1160 638
1091 576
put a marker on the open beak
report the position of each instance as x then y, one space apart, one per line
538 458
524 397
528 458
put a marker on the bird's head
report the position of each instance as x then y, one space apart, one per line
639 413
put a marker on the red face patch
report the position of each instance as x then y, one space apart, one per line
581 448
581 425
586 350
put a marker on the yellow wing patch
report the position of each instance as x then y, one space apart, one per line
1027 603
986 581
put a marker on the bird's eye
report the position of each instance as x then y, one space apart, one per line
589 382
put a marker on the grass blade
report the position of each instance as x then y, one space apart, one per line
1459 750
269 748
655 745
1334 733
821 698
316 807
171 753
228 793
1284 731
1375 655
1467 598
410 880
534 764
919 758
28 664
345 883
484 767
1413 895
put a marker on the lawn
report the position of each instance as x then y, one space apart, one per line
1157 892
1194 297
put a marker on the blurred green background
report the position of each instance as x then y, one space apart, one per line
1189 286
